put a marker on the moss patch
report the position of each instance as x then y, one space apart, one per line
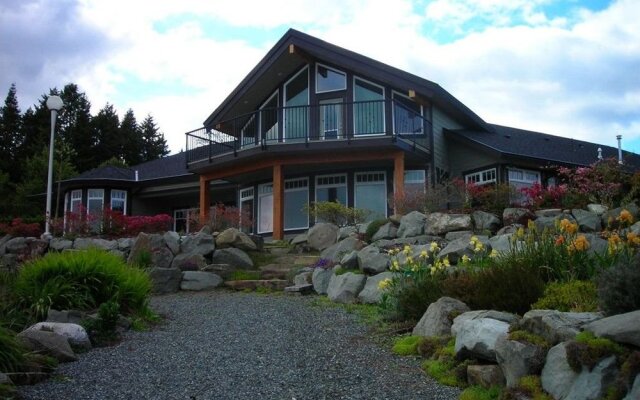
587 350
242 275
528 387
528 337
481 393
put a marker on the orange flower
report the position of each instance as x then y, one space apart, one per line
633 239
568 227
560 240
625 217
579 244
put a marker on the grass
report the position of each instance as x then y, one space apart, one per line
261 258
243 275
481 393
407 345
11 353
443 372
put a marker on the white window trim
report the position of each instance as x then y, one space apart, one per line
260 194
319 186
299 189
333 69
242 197
188 213
355 185
524 172
480 181
384 97
284 101
95 198
393 113
74 200
126 195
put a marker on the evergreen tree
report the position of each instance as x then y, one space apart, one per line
10 135
106 128
74 127
36 130
131 133
155 145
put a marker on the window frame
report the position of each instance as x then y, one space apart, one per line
384 181
481 180
89 198
261 194
384 116
124 200
73 200
332 69
296 189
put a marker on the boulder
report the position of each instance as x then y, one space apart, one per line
338 250
299 239
501 243
518 359
485 375
346 287
512 228
322 235
477 338
60 244
234 257
347 231
371 293
199 280
556 326
74 333
484 221
125 244
172 240
456 249
550 223
597 245
372 261
66 316
223 270
479 314
412 225
634 393
548 212
441 223
621 328
26 247
517 216
189 262
350 260
451 236
304 289
200 243
96 243
153 245
233 237
320 277
562 382
302 278
612 214
587 221
597 208
386 231
165 280
49 343
439 316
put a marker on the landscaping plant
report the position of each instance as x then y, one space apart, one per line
336 213
571 296
11 352
618 288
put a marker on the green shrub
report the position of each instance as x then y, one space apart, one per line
11 352
242 275
81 280
409 300
407 346
336 213
481 393
618 288
373 228
528 387
587 350
143 259
108 315
574 296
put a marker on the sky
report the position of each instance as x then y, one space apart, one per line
565 67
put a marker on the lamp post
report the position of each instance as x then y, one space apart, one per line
54 103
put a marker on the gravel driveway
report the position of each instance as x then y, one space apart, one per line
224 345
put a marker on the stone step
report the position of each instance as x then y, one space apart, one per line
271 284
300 289
276 271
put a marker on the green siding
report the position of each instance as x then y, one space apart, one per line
464 158
441 121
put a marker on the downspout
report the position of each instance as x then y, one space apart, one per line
619 137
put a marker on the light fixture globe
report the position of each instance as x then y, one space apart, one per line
54 103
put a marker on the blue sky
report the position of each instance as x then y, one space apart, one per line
568 67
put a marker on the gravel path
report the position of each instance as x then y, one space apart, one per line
224 345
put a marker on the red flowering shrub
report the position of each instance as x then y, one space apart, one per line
538 196
222 217
19 228
601 182
110 223
413 199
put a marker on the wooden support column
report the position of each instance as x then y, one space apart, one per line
205 199
278 202
398 180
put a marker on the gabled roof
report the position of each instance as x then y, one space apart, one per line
166 167
279 58
541 146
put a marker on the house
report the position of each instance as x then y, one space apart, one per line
316 122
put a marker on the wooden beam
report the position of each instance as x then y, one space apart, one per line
278 202
205 199
292 49
398 180
418 98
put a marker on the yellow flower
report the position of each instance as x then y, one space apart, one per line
395 265
446 262
465 259
433 247
493 253
614 243
473 241
424 254
579 244
479 247
531 225
568 227
625 217
415 267
407 249
520 233
384 284
409 260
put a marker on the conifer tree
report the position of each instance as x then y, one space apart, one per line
155 145
10 135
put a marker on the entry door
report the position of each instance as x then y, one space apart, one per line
265 208
331 119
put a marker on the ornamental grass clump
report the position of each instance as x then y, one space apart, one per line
11 352
81 280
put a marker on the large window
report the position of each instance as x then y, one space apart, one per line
246 210
265 208
415 181
368 110
296 197
76 201
329 79
296 97
407 116
119 200
182 219
371 193
269 118
331 188
520 179
95 201
481 177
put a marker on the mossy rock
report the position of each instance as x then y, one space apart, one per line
587 350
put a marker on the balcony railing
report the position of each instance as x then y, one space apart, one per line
328 121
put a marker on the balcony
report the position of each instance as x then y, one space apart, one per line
326 126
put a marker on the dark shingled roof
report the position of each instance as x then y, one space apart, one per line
166 167
537 145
